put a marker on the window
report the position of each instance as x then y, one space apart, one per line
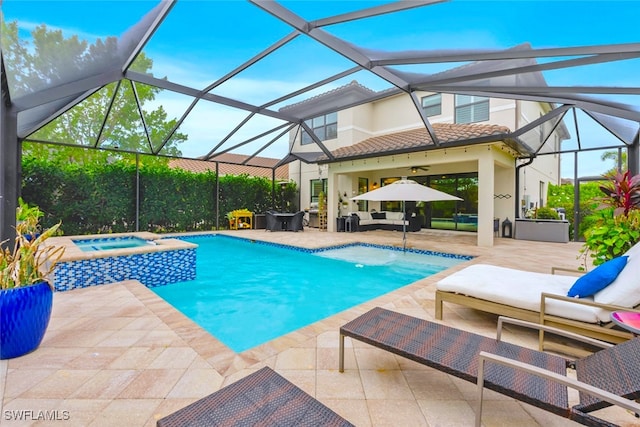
470 109
325 127
432 105
318 186
363 187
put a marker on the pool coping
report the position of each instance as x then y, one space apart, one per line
72 252
332 247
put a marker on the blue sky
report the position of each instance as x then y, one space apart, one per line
202 40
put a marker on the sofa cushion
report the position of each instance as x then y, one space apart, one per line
378 215
395 215
598 278
363 215
624 291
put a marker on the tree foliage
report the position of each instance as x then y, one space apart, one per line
562 196
48 59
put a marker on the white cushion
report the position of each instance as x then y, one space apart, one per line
369 221
364 215
395 215
633 250
520 289
625 289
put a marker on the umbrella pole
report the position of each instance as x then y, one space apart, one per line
404 226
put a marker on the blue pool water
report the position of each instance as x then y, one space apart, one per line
246 294
106 243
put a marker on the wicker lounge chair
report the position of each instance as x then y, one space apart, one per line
263 398
609 376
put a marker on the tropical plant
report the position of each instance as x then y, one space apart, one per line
30 261
618 227
622 192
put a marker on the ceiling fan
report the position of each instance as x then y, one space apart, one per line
414 169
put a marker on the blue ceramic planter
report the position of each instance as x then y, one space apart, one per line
24 316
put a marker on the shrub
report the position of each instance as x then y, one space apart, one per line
547 213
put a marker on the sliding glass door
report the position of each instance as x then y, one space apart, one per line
451 215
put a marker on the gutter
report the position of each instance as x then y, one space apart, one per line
531 159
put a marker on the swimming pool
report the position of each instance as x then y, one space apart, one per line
247 293
107 243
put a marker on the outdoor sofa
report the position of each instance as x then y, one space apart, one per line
386 220
541 297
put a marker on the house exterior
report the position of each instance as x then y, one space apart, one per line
477 156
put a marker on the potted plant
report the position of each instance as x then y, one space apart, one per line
542 224
26 296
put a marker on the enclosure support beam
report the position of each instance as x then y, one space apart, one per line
633 156
9 173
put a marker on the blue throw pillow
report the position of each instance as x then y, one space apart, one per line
598 279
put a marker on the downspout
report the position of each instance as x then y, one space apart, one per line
527 163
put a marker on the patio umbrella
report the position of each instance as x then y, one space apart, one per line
405 190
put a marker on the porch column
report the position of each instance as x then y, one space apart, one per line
486 180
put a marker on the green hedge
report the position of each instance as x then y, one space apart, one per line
101 198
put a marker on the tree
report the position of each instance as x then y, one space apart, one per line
613 155
50 59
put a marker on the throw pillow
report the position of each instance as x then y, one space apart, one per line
378 215
598 279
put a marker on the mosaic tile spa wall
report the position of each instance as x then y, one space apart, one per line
151 269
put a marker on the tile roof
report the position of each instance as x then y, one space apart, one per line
417 139
258 166
352 86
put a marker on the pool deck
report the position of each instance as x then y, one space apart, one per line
119 355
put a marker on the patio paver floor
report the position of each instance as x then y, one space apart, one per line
119 355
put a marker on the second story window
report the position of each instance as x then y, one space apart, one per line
470 108
325 127
432 105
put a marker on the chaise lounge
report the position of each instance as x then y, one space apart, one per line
259 399
605 378
542 298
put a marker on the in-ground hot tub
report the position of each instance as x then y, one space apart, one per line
99 259
109 243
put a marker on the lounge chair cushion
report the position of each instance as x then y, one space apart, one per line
519 288
598 278
625 289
